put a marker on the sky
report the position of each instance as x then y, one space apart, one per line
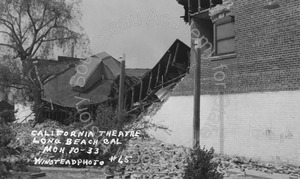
142 29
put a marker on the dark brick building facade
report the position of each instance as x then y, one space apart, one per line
267 50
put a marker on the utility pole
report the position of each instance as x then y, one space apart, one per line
121 87
197 92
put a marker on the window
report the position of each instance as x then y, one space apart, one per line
224 36
206 4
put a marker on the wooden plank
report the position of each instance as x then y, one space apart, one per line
170 81
176 52
125 100
132 97
141 90
169 61
158 73
149 84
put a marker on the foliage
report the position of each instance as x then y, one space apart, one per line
31 30
16 147
200 165
22 141
6 136
7 116
34 26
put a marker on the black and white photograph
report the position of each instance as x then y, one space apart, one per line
158 89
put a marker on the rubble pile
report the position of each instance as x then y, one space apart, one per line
226 163
221 11
155 158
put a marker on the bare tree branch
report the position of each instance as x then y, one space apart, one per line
10 46
31 18
36 49
4 32
43 16
27 117
54 39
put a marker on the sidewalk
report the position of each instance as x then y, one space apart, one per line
251 174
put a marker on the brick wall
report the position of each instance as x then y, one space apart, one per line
267 52
261 86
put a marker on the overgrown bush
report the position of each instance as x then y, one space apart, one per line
6 136
7 116
200 165
23 141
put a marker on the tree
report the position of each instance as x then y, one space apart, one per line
30 30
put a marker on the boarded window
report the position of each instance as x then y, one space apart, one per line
225 36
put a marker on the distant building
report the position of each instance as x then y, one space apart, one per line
250 80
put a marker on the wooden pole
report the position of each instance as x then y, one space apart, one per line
121 86
141 90
197 85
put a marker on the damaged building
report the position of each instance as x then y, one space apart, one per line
250 82
96 79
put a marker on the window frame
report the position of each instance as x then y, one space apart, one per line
222 21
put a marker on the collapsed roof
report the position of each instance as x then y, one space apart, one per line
91 79
169 70
97 79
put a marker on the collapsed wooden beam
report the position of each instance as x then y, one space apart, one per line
170 57
168 82
132 97
175 56
141 90
125 101
149 85
158 73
